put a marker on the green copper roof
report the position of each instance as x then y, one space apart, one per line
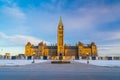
60 22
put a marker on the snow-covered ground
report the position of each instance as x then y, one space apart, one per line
18 62
111 63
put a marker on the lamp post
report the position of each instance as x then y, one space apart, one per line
33 58
87 58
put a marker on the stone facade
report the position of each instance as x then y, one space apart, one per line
55 50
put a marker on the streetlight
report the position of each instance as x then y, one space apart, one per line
33 58
87 58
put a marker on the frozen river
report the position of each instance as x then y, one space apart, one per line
48 71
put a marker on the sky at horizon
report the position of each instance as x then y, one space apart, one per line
87 21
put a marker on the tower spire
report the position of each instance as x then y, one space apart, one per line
60 22
60 46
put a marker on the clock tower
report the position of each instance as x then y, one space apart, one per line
60 37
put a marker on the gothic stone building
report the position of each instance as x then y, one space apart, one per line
80 50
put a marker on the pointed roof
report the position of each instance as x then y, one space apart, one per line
60 22
28 43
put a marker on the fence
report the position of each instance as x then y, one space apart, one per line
64 58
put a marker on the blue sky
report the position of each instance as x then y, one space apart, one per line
37 20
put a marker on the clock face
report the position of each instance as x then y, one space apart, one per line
60 27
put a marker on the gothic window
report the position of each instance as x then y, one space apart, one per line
60 32
60 27
61 37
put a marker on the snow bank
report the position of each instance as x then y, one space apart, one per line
18 62
111 63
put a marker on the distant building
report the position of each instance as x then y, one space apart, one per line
80 50
21 56
7 56
1 56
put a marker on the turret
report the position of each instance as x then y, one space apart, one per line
93 49
29 50
80 48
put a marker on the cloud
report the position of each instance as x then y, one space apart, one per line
111 49
114 36
15 43
108 35
54 5
22 39
110 45
12 50
13 17
14 12
89 17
